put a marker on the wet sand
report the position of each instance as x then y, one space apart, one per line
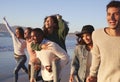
7 64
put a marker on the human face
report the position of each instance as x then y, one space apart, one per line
49 23
27 33
17 32
87 38
36 38
113 17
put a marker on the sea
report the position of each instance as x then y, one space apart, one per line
6 44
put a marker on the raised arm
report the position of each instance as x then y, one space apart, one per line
8 26
63 28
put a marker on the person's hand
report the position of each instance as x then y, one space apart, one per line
91 79
59 16
37 67
71 79
48 68
32 80
45 46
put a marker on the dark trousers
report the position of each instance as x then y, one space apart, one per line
29 71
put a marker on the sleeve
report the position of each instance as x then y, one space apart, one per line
75 63
63 29
8 26
95 57
60 53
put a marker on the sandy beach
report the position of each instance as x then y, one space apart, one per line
7 64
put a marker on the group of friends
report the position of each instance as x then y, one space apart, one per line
96 55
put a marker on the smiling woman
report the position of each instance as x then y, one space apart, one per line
19 53
81 60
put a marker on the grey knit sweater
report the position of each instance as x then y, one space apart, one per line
105 57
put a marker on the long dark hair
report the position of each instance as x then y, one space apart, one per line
55 27
21 32
80 41
29 28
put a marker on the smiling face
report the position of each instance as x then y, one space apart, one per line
87 38
27 33
113 17
17 32
49 23
36 37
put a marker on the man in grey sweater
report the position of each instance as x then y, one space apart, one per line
106 50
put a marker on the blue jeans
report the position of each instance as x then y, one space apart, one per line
20 64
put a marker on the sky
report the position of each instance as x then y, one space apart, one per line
77 12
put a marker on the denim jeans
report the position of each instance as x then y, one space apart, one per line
20 64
